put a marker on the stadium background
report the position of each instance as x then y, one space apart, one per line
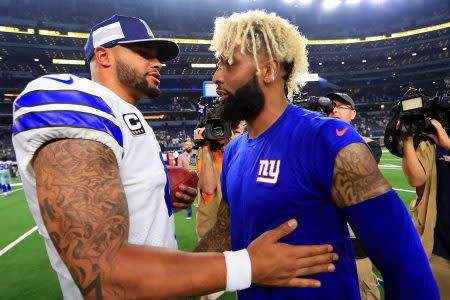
371 49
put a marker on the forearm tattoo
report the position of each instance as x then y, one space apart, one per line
84 209
218 238
356 176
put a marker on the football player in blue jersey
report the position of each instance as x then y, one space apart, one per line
294 163
98 190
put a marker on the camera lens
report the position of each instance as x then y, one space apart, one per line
218 130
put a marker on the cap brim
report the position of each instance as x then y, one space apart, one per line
342 98
167 50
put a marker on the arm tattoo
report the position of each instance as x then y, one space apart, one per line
218 238
84 209
356 176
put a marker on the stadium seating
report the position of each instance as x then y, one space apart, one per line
372 72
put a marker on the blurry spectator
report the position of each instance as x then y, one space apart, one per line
185 157
183 161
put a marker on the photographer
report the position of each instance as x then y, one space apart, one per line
344 109
428 169
209 166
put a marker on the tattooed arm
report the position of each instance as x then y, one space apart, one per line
217 239
382 225
356 176
84 209
85 212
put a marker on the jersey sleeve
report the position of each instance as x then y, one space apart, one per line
327 139
41 115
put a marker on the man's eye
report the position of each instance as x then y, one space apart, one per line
144 54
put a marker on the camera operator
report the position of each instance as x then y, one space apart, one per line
209 166
344 109
428 169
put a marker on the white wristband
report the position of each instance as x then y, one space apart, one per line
239 270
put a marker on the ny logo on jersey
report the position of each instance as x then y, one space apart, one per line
134 124
268 171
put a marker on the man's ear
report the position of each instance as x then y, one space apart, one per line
271 69
354 115
103 56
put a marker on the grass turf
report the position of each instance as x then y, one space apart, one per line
25 269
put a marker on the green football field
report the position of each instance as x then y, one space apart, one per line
24 267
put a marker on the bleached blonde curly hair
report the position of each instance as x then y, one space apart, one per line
259 32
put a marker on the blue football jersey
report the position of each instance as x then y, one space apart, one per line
285 173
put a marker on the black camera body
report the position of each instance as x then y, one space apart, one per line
416 108
210 117
322 105
411 117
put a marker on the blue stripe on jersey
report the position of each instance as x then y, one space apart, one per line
61 97
66 119
167 187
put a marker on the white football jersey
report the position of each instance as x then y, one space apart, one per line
65 106
4 166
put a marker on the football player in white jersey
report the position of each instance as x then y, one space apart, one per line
5 177
98 189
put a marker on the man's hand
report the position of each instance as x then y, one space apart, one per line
186 197
198 133
279 264
441 138
406 138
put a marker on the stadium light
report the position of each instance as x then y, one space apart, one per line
342 62
330 4
444 49
320 64
68 62
288 1
364 61
307 77
204 66
305 2
16 30
36 59
155 117
1 57
389 58
414 54
352 1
